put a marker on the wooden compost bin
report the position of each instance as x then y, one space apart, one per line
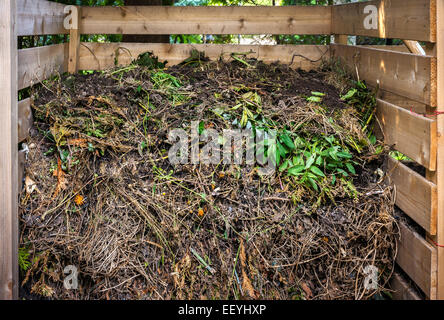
411 85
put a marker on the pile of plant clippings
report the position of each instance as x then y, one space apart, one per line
101 194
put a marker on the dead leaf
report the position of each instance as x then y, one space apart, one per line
246 285
78 142
61 179
30 185
242 255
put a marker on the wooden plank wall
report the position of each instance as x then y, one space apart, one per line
405 74
38 64
439 239
412 134
40 17
399 19
418 259
206 20
403 102
415 195
101 56
8 152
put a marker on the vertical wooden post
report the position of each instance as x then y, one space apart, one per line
8 152
74 43
440 159
340 38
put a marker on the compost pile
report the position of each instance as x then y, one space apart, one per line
101 194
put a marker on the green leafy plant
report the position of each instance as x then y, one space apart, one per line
316 97
364 102
149 60
251 107
312 160
23 259
170 85
399 156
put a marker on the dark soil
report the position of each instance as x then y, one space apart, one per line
415 167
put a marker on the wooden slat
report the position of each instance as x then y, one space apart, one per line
402 290
74 44
411 134
418 259
38 64
402 19
440 170
415 195
403 102
101 56
400 48
25 119
206 20
8 152
404 74
40 18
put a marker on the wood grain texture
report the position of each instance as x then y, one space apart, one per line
101 56
206 20
74 46
411 134
440 169
38 64
402 19
415 195
25 119
403 102
40 17
404 74
8 152
402 48
418 259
